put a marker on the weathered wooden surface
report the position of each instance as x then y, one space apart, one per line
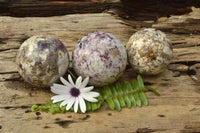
134 9
176 110
44 8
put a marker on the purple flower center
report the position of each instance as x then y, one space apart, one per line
74 92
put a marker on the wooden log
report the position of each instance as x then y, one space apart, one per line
131 9
45 8
152 10
176 110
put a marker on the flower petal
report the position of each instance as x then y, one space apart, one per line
59 98
87 97
82 104
70 103
71 81
78 82
85 82
93 94
63 103
76 105
59 89
65 82
86 89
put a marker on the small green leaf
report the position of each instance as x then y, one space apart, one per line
142 88
88 106
143 98
94 106
137 99
153 90
55 110
52 111
136 95
109 100
43 108
71 109
140 83
98 105
120 95
35 107
126 97
100 98
117 104
63 109
131 91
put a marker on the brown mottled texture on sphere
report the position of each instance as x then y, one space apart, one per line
149 51
100 56
41 60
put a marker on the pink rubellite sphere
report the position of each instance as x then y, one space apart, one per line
100 56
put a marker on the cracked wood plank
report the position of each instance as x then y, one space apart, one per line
176 110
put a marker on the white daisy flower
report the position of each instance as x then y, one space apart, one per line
74 93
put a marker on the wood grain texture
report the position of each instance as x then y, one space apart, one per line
45 8
176 110
129 9
152 10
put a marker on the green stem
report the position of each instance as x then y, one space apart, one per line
74 77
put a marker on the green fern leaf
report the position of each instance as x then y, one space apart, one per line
143 98
115 99
94 106
125 96
88 106
130 90
108 97
153 90
120 93
136 95
140 83
141 86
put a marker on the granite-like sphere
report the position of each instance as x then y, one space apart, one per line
100 56
41 60
149 51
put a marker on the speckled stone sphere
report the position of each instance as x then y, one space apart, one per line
149 51
41 60
100 56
